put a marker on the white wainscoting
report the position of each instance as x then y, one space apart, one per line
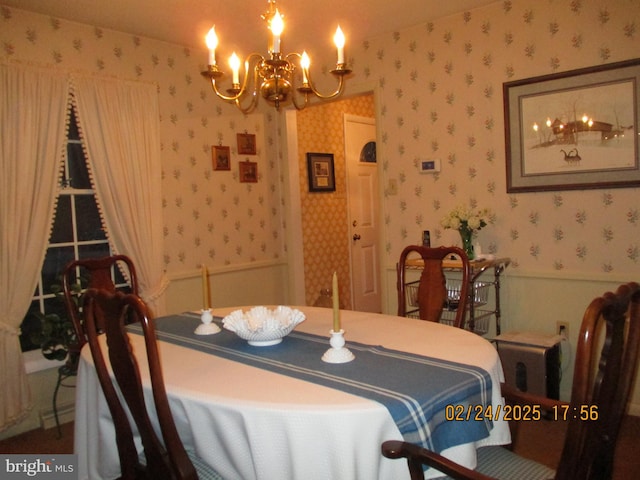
259 283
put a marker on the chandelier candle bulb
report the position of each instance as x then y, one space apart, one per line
234 63
338 39
212 42
277 26
336 303
305 62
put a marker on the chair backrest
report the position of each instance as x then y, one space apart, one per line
106 311
601 385
431 296
78 275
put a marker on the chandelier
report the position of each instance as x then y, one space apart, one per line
273 77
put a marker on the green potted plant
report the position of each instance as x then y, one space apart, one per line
56 332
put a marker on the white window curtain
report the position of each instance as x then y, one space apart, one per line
119 122
33 109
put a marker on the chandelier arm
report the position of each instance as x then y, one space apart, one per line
240 91
229 98
296 104
252 105
259 60
337 92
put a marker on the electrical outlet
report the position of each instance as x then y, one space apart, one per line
563 329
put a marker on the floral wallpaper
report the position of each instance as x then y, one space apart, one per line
209 215
439 96
440 87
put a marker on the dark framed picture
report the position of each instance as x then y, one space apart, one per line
321 172
574 130
221 157
248 172
246 143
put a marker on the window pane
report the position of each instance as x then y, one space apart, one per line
56 305
88 219
62 231
120 281
73 126
368 153
94 251
31 325
54 261
78 173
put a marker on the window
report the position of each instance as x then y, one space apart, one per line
77 233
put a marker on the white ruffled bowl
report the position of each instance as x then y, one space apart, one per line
261 326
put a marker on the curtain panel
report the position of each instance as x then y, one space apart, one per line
119 123
33 111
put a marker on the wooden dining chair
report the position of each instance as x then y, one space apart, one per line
600 392
107 312
78 275
429 294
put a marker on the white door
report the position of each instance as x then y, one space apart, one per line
362 190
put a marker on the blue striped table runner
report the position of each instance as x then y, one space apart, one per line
415 389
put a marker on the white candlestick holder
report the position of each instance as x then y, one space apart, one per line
337 353
207 327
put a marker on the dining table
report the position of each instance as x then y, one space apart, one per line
281 412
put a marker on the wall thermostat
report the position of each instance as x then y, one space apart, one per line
429 166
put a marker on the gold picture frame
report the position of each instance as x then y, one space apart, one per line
221 157
246 143
248 172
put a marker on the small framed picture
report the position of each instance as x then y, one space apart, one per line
248 172
246 143
321 172
221 157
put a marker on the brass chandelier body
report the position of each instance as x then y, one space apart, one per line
273 77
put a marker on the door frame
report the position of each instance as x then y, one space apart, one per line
291 170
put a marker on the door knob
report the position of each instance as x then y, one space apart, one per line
356 237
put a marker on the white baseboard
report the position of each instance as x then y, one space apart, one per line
66 414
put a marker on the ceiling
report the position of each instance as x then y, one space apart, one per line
238 23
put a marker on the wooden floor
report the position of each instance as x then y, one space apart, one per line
540 441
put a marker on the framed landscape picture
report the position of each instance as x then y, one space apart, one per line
574 130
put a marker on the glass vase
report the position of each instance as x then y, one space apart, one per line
467 242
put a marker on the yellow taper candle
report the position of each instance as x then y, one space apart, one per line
205 287
336 304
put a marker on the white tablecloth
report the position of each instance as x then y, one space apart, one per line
249 423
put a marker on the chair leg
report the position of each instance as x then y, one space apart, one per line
55 402
65 372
